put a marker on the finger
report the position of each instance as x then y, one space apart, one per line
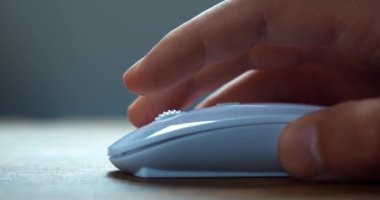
211 77
292 84
230 28
147 107
207 39
339 143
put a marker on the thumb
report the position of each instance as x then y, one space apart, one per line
338 143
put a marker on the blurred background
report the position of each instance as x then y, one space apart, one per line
66 58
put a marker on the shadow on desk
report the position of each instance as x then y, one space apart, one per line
203 182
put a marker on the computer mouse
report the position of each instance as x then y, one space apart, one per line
227 140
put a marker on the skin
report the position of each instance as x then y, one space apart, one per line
324 52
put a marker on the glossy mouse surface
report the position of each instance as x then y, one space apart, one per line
227 140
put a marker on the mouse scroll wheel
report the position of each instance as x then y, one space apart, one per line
167 114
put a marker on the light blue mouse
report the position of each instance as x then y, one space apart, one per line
227 140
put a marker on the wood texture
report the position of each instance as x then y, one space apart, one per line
67 160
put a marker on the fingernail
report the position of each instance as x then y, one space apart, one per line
299 152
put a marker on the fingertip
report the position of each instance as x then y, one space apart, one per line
132 80
135 115
131 116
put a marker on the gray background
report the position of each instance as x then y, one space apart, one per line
66 58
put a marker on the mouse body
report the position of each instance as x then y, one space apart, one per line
227 140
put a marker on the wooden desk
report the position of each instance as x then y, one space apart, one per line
67 160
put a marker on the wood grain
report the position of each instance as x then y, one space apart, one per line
66 159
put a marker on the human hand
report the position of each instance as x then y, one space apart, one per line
317 51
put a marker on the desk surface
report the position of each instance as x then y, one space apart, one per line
67 160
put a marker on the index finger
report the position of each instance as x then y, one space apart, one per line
218 33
